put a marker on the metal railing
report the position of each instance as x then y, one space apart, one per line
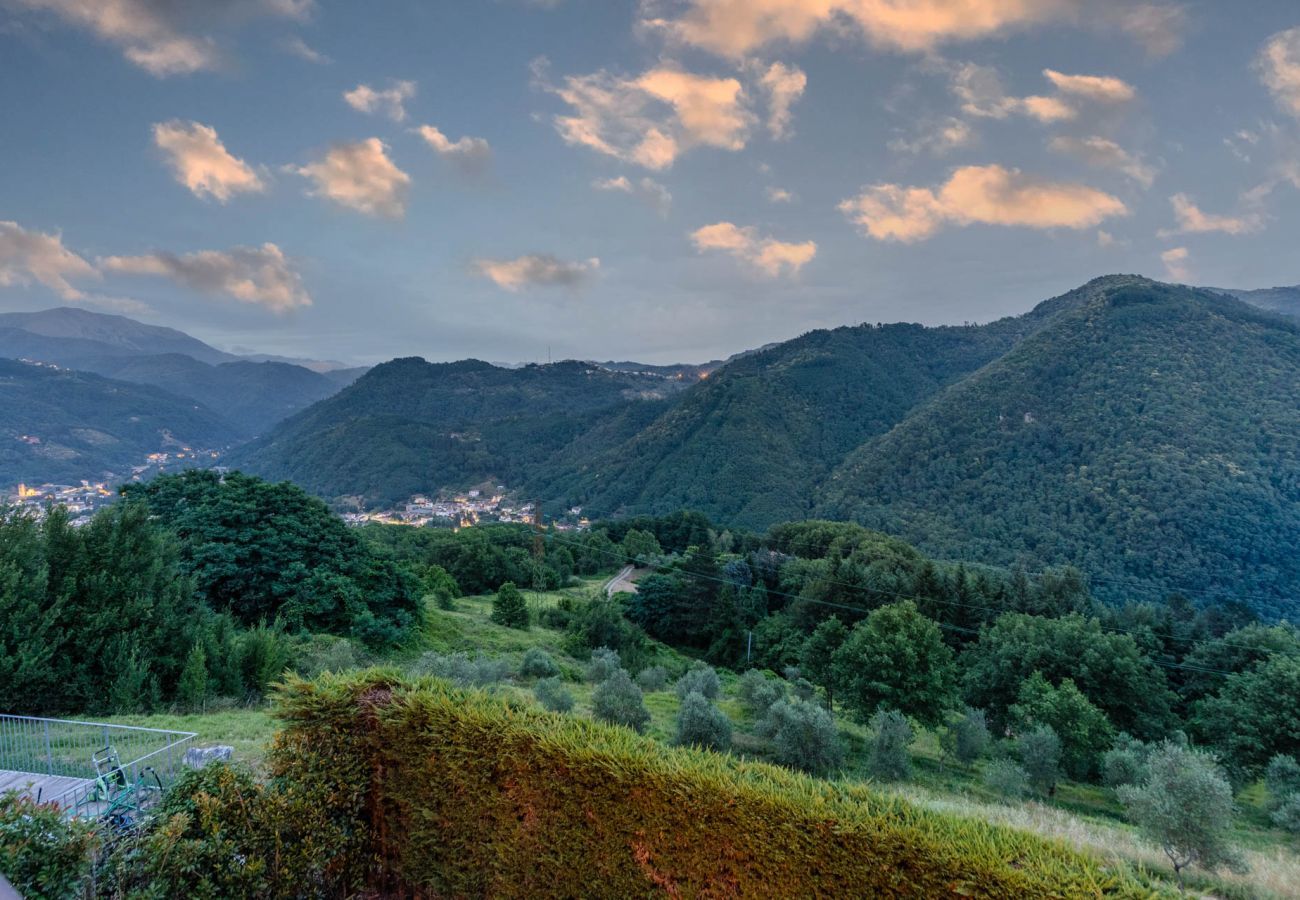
65 748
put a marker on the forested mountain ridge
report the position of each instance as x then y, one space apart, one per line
111 334
1149 436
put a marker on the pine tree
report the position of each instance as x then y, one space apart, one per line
509 608
192 689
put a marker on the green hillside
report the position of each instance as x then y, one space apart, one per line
62 426
1150 436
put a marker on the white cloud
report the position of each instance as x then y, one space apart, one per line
27 256
202 163
1175 260
1095 88
778 195
647 190
262 276
989 195
1106 154
738 28
1279 68
1193 220
296 46
535 270
783 85
651 119
767 256
360 176
937 138
388 102
160 36
470 154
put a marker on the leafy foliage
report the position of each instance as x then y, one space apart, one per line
509 607
1083 729
803 736
553 695
618 701
701 724
43 853
537 663
1040 754
700 678
891 735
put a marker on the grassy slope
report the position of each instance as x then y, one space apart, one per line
1084 816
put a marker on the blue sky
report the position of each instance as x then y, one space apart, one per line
666 180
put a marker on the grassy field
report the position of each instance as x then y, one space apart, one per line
1085 816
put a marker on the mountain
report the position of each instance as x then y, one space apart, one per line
410 426
62 426
1147 434
115 335
1284 300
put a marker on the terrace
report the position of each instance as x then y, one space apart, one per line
90 769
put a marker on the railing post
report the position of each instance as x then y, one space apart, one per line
49 756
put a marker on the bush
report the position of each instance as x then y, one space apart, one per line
1005 777
264 655
652 678
968 738
461 670
323 653
537 663
604 663
192 689
803 736
1286 815
553 695
1040 754
600 623
701 724
1123 765
1282 777
618 701
509 607
43 853
891 736
759 691
701 678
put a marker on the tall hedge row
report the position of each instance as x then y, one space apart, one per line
467 795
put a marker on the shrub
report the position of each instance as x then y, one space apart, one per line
553 695
759 691
1286 815
264 656
701 724
1005 777
1185 807
325 653
652 678
461 670
1282 777
43 853
1040 754
701 678
803 736
803 689
604 663
192 689
618 701
891 736
967 739
1123 764
537 663
509 607
600 623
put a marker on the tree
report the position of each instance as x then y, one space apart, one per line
759 691
1125 763
1185 806
1005 777
701 724
891 735
509 608
1040 754
700 678
817 656
604 663
1283 780
552 694
966 738
1083 729
537 663
1254 717
640 546
192 689
618 701
652 678
896 658
803 736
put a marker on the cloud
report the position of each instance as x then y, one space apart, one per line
768 256
535 270
987 195
160 36
1175 260
647 190
783 85
470 154
778 195
1105 154
27 256
1096 88
1192 220
388 102
651 119
738 28
202 163
1278 65
360 176
296 46
937 138
261 276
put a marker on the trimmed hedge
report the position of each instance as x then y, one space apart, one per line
469 796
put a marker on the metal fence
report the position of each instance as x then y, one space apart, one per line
65 748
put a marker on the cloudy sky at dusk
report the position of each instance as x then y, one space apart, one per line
665 180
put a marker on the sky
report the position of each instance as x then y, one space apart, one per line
663 180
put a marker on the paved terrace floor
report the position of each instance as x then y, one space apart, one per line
42 787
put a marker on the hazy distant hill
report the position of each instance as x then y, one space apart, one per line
409 425
1284 300
1150 435
115 335
63 426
